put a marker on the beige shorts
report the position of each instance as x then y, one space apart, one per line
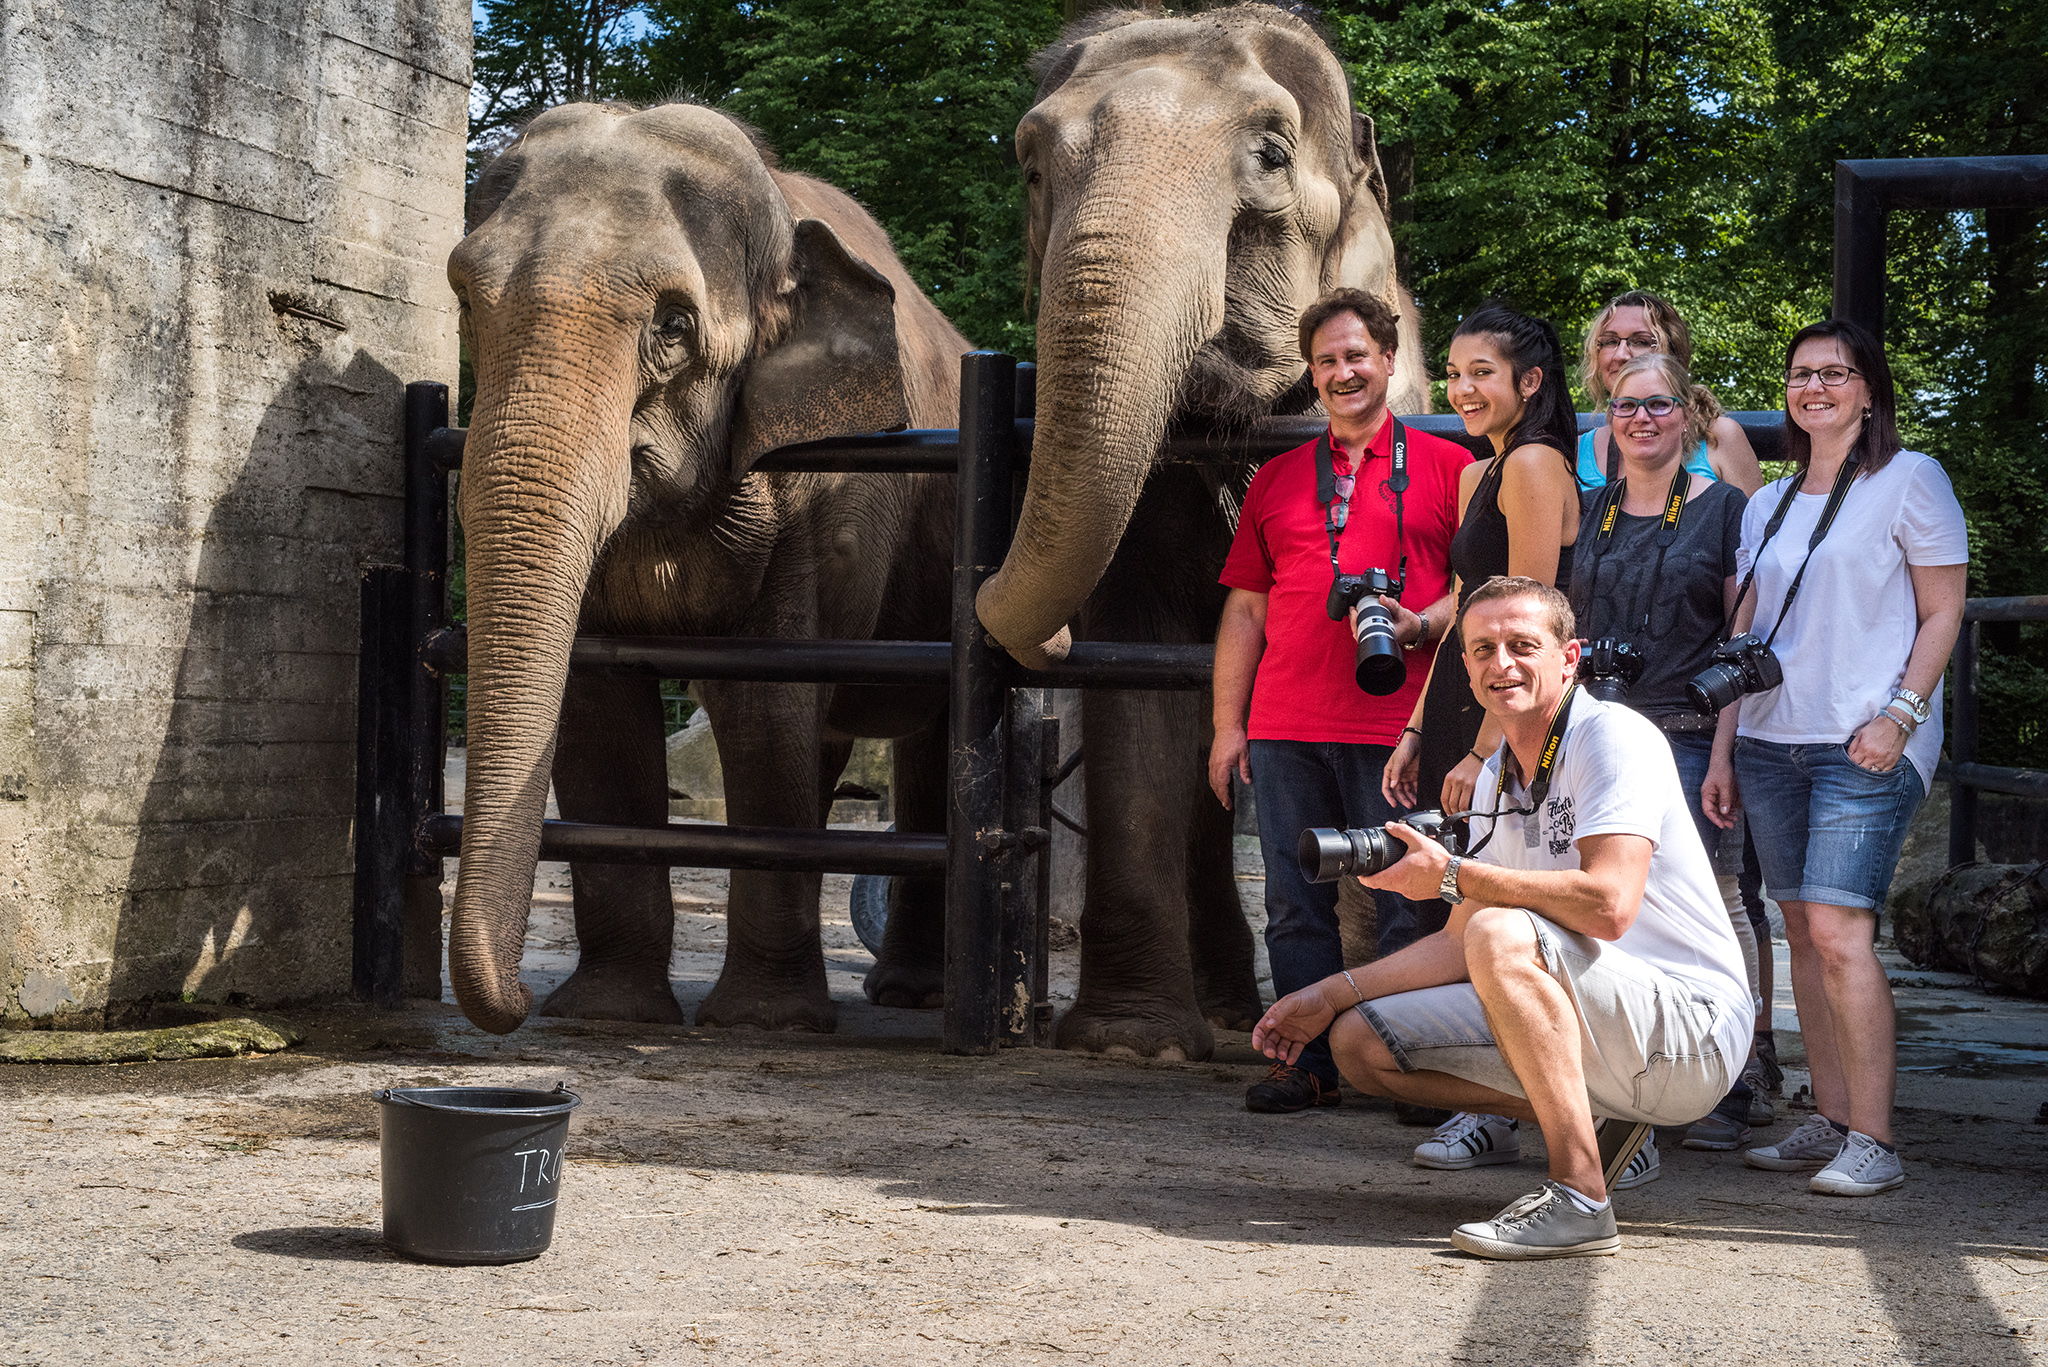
1645 1037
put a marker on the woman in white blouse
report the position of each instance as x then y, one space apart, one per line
1832 763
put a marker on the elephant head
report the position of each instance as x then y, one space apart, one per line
1194 184
646 317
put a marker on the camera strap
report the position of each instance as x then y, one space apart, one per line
1609 507
1843 479
1539 786
1337 511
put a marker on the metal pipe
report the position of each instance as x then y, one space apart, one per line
974 909
384 824
2027 609
705 846
1990 778
1962 748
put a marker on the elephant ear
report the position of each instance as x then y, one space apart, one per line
836 370
1362 253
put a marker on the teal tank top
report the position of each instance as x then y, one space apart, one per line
1591 476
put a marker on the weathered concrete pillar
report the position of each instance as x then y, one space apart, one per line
225 229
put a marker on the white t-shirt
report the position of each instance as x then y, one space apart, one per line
1844 646
1615 775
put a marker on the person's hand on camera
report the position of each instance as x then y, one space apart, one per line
1403 771
1720 799
1460 784
1407 625
1291 1023
1877 745
1417 875
1230 752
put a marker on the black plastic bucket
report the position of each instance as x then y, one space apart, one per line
471 1174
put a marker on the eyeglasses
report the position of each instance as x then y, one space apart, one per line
1635 341
1656 405
1833 376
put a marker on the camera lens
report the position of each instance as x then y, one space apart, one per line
1606 687
1381 669
1714 688
1325 855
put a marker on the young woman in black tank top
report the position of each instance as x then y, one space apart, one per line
1519 516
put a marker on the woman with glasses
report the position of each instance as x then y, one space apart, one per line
1652 588
1859 560
1638 323
1518 514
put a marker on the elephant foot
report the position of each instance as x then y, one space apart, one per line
599 994
906 985
780 1008
1169 1033
1233 1013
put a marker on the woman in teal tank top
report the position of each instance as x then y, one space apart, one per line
1635 324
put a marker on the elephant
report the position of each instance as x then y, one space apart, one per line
1193 183
651 304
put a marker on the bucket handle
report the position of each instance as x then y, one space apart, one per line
392 1097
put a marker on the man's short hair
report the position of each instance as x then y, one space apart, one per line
1380 321
1557 609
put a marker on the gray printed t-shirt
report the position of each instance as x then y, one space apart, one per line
1611 592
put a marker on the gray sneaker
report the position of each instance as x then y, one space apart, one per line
1761 1112
1862 1168
1810 1146
1725 1127
1543 1224
1641 1170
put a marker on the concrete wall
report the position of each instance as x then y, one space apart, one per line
223 225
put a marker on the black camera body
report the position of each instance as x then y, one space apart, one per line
1742 666
1610 668
1380 669
1326 854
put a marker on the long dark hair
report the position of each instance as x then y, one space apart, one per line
1879 440
1548 417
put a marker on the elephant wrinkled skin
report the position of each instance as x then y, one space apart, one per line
650 305
1194 184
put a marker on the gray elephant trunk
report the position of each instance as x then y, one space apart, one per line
539 496
1118 334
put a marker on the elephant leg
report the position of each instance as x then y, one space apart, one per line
610 767
1219 938
769 748
1137 991
911 969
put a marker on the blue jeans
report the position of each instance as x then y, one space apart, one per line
1298 784
1827 829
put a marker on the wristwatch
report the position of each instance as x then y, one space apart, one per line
1421 632
1448 890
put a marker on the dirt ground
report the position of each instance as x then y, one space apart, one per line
864 1199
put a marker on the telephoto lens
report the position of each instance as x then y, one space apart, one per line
1381 670
1325 854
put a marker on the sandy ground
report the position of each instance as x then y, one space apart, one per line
863 1199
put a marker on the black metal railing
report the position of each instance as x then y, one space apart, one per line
1966 777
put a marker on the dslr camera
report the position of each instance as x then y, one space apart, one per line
1325 855
1610 668
1743 665
1380 669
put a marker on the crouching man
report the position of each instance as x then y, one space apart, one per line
1587 981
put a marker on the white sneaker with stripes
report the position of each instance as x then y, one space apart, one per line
1468 1140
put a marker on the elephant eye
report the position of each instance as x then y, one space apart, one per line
675 326
1273 156
1031 176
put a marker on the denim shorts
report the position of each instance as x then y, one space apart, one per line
1646 1039
1826 828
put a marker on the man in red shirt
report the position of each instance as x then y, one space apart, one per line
1315 742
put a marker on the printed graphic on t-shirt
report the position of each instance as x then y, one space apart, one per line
1559 819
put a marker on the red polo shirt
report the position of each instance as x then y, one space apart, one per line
1305 689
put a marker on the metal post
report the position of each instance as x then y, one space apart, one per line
1962 748
974 865
1859 250
383 831
426 572
1027 807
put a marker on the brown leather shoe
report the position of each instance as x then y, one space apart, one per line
1286 1089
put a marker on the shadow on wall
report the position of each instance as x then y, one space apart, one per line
240 883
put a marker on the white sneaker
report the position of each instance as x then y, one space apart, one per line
1469 1140
1810 1146
1642 1169
1862 1168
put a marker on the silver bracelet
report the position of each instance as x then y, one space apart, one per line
1915 705
1354 985
1908 726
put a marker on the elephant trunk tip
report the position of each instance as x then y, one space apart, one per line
497 1008
1028 646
